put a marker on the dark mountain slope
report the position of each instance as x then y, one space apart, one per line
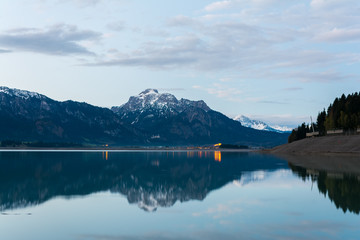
30 116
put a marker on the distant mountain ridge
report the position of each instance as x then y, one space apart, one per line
150 118
260 125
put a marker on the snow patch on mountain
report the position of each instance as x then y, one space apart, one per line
20 93
151 99
282 128
260 125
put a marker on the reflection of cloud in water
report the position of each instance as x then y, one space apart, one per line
219 211
301 230
261 175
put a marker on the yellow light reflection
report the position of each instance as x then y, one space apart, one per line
217 156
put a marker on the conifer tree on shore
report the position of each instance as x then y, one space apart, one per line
343 113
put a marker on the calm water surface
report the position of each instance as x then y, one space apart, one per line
174 195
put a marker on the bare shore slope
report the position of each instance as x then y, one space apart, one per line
321 145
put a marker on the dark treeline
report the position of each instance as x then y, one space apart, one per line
37 144
343 113
232 146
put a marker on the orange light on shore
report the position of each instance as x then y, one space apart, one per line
218 145
217 156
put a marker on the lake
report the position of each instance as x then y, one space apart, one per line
138 195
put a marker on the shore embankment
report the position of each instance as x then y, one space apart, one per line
347 145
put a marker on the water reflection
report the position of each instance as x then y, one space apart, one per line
148 179
337 178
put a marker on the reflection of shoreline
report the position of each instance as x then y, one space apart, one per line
121 150
330 164
337 177
342 189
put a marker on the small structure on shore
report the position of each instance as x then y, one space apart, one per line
335 131
312 134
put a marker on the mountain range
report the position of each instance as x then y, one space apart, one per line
150 118
260 125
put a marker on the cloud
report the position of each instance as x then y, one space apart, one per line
226 79
219 211
117 26
222 91
171 89
339 35
175 52
232 45
272 102
229 4
181 20
211 47
215 6
55 40
299 230
324 4
255 42
85 3
4 51
291 89
321 76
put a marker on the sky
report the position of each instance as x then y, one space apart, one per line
272 60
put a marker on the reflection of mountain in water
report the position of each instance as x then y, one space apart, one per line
150 179
341 188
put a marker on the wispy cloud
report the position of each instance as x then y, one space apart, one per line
215 6
182 21
171 89
272 102
219 211
116 26
85 3
4 51
55 40
243 43
292 89
221 90
298 230
339 35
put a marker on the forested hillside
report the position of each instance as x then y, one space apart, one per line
343 113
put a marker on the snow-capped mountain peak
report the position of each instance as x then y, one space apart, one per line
149 91
152 99
255 124
260 125
20 93
282 128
